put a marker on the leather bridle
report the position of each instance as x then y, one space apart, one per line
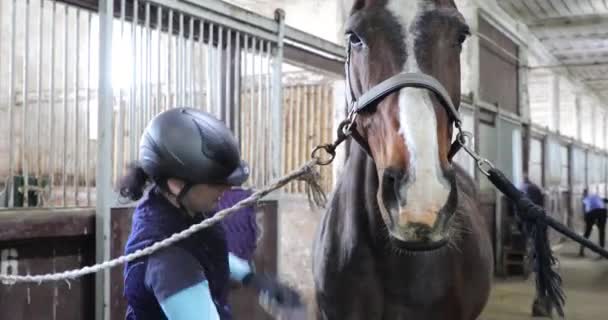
399 81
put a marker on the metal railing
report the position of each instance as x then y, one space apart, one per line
165 53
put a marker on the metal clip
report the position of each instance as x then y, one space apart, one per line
329 148
484 165
350 121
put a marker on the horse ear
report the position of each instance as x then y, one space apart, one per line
350 6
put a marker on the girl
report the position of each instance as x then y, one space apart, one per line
189 158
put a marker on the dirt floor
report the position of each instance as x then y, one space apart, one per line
585 279
585 284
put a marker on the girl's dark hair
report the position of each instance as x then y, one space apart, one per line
134 182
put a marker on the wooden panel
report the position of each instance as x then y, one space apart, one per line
42 242
40 223
497 54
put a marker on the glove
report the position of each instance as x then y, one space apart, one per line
277 299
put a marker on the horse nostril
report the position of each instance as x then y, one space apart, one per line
391 186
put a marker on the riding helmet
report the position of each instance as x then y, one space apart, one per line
193 146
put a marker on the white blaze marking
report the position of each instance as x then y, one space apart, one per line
427 189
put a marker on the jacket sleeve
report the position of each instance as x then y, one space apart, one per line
239 268
178 282
193 303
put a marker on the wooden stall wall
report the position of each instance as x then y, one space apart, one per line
47 241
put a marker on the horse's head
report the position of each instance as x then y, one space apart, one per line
409 131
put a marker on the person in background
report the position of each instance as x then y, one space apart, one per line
187 160
541 307
594 208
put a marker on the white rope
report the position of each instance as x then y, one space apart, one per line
301 173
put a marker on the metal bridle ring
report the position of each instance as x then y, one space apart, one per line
464 137
329 149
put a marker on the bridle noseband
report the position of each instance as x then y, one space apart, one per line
399 81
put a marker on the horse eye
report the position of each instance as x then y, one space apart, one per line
463 35
353 39
462 38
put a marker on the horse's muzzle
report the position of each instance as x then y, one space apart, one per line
411 227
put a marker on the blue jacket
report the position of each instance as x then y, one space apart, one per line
155 219
592 202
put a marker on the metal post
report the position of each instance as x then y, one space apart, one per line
88 112
11 104
104 159
76 173
277 110
24 128
64 151
159 25
277 97
39 94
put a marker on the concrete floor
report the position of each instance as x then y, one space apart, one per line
585 283
585 279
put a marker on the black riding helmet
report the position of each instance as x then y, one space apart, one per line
193 146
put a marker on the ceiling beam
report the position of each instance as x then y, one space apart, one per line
587 20
571 65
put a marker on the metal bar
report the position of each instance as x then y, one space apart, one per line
229 61
250 24
210 78
120 139
289 134
277 94
268 120
147 78
202 83
87 121
180 71
237 86
76 173
159 87
252 124
305 126
52 108
39 94
11 104
218 73
244 117
261 115
132 107
191 68
141 105
169 62
104 160
297 132
260 125
65 110
24 111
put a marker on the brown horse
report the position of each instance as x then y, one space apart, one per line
403 237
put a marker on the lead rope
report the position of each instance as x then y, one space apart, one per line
536 220
306 173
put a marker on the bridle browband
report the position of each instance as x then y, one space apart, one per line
399 81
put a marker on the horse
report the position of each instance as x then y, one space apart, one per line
403 236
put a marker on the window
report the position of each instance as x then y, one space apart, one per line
541 103
535 164
564 166
567 109
587 120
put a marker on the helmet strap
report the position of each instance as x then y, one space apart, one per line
181 195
